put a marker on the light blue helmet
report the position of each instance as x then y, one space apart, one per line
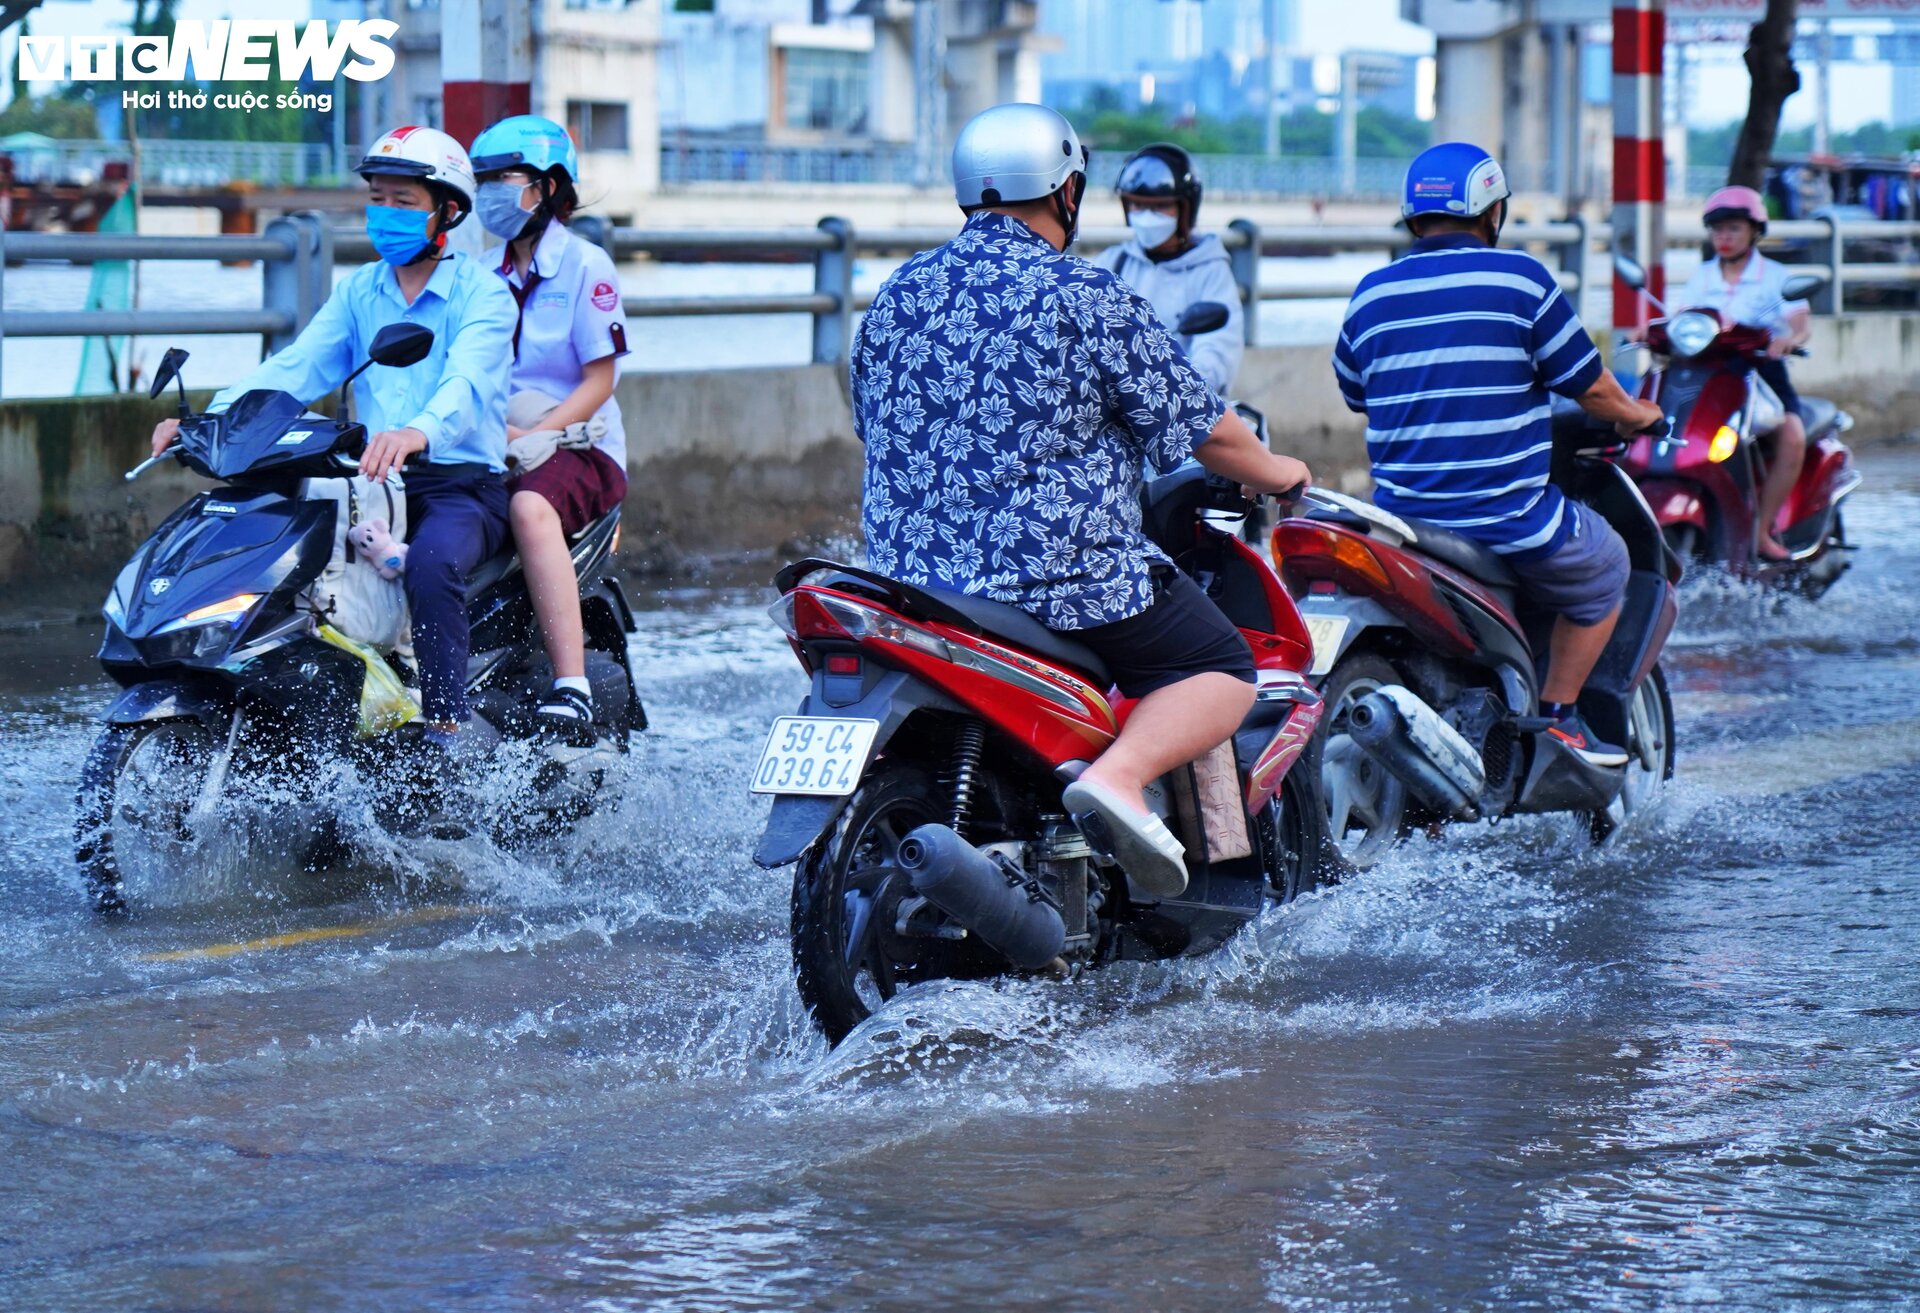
526 140
1455 178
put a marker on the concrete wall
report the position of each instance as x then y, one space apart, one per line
737 461
68 517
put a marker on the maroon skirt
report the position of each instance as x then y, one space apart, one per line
582 484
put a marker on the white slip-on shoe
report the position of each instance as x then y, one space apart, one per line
1143 846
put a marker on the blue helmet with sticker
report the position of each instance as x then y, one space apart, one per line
526 141
1456 178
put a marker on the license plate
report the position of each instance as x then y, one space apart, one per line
814 755
1326 631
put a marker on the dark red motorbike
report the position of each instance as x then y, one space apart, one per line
1703 478
918 786
1429 657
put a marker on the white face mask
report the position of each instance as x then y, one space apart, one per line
1151 228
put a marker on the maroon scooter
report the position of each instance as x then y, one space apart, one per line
1703 477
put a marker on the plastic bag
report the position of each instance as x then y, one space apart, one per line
385 702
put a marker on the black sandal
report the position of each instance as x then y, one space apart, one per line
566 714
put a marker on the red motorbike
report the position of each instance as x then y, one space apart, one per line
1429 658
918 786
1703 478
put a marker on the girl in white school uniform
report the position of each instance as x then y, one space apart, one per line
571 333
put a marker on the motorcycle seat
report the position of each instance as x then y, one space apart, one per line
492 570
1819 415
962 610
1462 553
998 620
1443 545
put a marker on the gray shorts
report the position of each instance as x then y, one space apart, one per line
1586 578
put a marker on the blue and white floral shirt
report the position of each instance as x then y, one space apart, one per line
1007 395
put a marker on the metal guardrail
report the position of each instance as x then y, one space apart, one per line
695 161
297 254
170 163
296 276
700 161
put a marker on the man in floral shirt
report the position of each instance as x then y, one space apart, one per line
1007 394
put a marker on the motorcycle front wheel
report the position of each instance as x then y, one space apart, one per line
136 797
848 956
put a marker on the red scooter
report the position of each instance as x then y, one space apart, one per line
918 786
1429 658
1703 478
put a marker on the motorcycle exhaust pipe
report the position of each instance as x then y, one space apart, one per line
996 904
1410 740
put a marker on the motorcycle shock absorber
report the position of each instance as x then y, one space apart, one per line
968 744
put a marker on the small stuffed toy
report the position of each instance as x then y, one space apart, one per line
372 540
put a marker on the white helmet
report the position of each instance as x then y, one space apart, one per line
427 154
1014 153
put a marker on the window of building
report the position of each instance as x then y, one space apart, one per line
597 124
826 90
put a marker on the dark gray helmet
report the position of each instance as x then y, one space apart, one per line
1014 153
1165 172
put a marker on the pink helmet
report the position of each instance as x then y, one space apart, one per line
1737 203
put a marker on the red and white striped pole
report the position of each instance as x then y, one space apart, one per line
486 63
1639 152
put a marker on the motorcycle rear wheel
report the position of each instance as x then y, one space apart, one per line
1298 857
848 960
1367 809
1649 756
136 790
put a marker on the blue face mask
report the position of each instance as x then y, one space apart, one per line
400 236
498 205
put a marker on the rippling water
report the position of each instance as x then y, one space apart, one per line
1502 1070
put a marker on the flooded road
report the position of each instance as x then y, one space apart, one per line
1502 1070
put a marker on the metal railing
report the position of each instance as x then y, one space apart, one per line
696 162
168 163
296 257
693 161
297 254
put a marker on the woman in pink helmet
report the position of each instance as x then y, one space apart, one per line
1746 288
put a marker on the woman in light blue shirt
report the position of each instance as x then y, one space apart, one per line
570 334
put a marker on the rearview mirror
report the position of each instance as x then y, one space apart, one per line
399 345
1801 286
166 372
1202 317
1629 271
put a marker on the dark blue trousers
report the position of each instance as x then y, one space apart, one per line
456 518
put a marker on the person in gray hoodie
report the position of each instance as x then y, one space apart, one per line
1165 262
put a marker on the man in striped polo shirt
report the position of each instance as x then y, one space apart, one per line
1450 353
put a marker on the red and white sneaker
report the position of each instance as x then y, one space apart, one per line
1572 734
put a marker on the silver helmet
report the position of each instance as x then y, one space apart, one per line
1014 153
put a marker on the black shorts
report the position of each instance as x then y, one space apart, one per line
1774 373
1180 635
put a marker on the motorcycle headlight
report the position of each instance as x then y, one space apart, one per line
1692 331
1725 442
231 610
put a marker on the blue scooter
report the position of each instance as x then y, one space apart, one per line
229 675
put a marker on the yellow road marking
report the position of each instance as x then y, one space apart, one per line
294 938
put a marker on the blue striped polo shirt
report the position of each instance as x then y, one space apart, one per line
1450 353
